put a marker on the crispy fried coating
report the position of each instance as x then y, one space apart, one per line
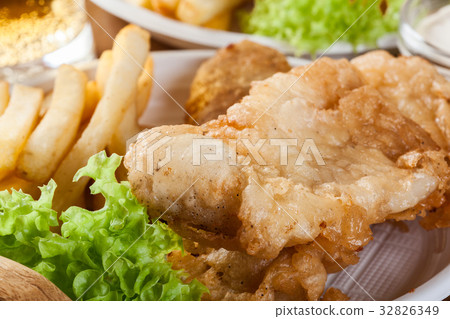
226 78
333 294
421 95
298 273
291 219
415 87
377 164
438 218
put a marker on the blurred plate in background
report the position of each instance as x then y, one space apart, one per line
189 36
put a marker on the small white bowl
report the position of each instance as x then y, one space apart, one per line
412 42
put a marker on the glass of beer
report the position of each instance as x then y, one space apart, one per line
36 35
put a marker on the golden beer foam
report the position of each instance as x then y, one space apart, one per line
29 29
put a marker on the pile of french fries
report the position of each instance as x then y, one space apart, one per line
52 136
215 14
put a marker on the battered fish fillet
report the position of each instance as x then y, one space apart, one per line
293 218
377 164
414 87
420 95
226 78
298 273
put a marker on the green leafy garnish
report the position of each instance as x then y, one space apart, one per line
313 25
109 254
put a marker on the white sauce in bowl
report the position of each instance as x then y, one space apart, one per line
435 29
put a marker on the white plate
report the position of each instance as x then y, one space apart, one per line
396 265
188 36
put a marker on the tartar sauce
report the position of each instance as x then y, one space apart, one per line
435 29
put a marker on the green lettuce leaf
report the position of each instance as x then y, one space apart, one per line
313 25
110 254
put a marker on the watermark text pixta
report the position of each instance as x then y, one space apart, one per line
211 149
156 152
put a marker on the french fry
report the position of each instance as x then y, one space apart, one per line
4 96
98 202
17 183
199 12
103 70
80 202
145 84
92 97
165 7
46 104
16 125
81 130
128 127
141 3
220 22
94 201
129 121
55 134
119 93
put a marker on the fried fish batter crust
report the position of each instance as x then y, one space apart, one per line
414 87
226 78
379 164
296 274
422 95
